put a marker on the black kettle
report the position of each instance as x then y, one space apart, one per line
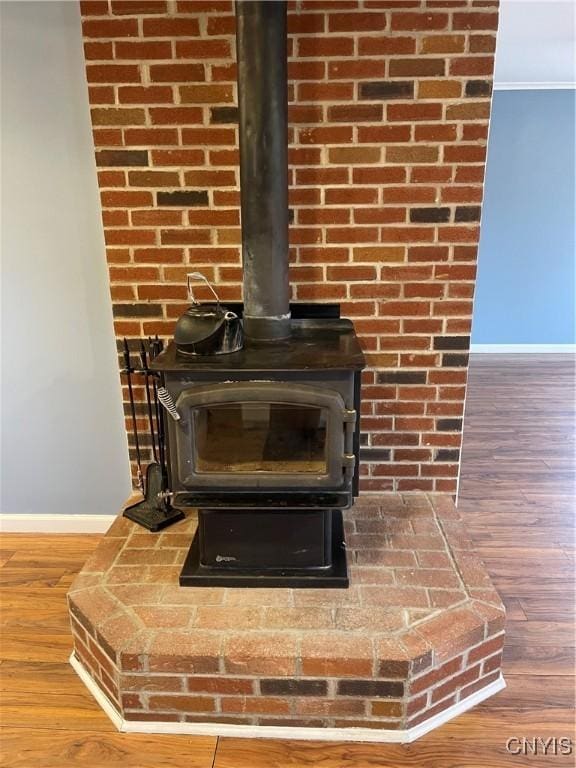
207 329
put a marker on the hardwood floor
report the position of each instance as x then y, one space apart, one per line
517 495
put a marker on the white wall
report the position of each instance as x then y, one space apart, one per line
63 444
536 44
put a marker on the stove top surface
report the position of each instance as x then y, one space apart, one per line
314 344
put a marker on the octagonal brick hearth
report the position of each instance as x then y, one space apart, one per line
416 639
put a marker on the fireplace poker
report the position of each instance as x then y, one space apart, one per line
147 374
128 371
155 346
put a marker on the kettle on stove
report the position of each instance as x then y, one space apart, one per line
207 329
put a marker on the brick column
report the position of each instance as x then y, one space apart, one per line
389 109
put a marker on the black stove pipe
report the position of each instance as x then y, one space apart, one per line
261 43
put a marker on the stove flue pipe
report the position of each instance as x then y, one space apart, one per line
261 44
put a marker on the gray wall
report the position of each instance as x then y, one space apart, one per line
63 443
526 266
536 43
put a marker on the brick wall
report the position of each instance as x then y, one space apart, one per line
389 109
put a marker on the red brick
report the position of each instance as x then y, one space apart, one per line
353 69
473 65
324 216
202 49
176 115
139 95
146 137
465 153
115 218
204 6
384 45
482 43
171 27
407 234
342 655
129 199
325 91
157 49
110 28
418 21
208 136
379 215
446 132
178 157
255 705
379 175
419 111
443 44
384 133
158 255
356 22
206 94
129 236
98 50
431 711
180 703
113 73
355 113
221 25
349 196
133 7
454 683
486 649
475 21
94 7
176 73
319 46
101 95
121 116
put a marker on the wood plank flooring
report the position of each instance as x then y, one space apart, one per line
517 495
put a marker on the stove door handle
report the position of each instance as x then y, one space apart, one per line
349 462
349 417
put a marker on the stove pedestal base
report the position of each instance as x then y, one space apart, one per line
265 548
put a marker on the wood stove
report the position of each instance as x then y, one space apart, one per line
266 447
264 397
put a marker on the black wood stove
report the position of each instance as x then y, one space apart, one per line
263 398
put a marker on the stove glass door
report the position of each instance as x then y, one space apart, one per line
256 435
261 437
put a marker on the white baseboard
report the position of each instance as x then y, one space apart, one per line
538 85
284 732
523 348
55 523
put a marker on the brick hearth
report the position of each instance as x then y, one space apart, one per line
420 629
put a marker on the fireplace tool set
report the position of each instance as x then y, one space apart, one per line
155 511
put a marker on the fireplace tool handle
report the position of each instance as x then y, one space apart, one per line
155 349
147 374
128 371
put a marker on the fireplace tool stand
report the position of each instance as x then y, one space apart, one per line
155 511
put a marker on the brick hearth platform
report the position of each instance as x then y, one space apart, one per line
418 633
